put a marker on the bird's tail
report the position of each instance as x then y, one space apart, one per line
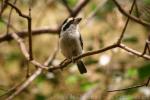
81 67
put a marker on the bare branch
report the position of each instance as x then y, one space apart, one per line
83 55
133 87
17 10
20 88
134 52
137 86
30 34
25 84
79 7
3 6
23 34
126 24
131 17
9 18
25 51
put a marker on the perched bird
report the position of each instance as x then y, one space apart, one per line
70 41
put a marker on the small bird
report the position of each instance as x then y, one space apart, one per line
70 41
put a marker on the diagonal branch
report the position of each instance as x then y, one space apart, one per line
79 7
126 24
3 6
25 84
130 16
20 88
17 10
25 51
134 52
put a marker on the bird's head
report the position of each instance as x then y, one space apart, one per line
70 24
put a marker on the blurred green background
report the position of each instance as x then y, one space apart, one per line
110 70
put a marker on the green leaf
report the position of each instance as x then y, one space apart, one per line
132 72
72 79
13 56
40 79
2 25
109 6
93 6
130 39
72 3
86 86
144 71
147 1
40 97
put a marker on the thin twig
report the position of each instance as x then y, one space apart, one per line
137 86
30 79
10 25
52 58
9 18
145 48
11 90
23 34
79 7
25 84
126 24
134 52
3 6
25 51
131 17
30 35
17 10
148 81
137 9
133 87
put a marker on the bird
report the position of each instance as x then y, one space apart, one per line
71 43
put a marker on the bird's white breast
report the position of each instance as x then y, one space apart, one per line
70 44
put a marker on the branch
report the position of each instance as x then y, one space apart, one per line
3 6
9 18
122 46
25 84
22 34
83 55
20 88
134 52
130 16
126 24
30 35
137 86
25 51
17 10
79 7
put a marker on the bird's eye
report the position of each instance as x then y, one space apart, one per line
68 24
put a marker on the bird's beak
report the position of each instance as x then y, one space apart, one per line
77 20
